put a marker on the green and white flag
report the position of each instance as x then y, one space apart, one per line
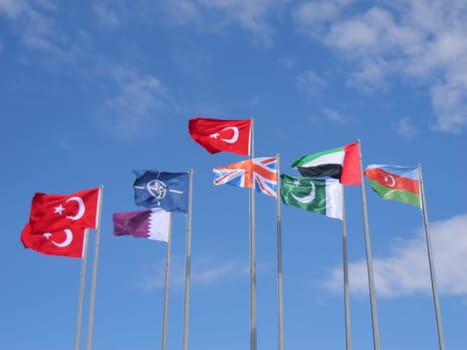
322 196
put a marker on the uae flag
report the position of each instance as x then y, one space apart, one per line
399 183
322 196
341 163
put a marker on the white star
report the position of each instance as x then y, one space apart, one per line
214 136
296 183
59 209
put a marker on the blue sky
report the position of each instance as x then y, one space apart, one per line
90 91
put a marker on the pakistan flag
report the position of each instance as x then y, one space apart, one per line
322 196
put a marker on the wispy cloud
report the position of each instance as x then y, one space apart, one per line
12 8
132 111
420 39
287 62
405 270
405 128
334 116
44 41
207 273
253 16
311 83
106 14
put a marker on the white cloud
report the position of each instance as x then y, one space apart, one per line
450 103
311 83
405 271
287 62
225 271
216 14
420 39
307 15
131 112
35 24
106 14
153 276
369 77
12 8
405 128
334 116
183 11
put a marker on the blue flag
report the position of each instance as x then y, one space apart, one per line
155 188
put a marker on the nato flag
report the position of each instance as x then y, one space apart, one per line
154 188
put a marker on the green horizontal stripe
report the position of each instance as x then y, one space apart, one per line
397 195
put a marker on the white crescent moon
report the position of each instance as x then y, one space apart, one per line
81 209
234 138
309 198
66 242
391 178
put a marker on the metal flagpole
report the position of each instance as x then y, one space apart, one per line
279 263
369 260
348 337
166 289
81 291
430 261
252 256
186 315
92 300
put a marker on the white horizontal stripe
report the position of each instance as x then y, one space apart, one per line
330 158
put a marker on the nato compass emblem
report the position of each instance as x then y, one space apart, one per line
166 190
158 189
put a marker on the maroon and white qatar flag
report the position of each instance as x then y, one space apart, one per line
150 223
55 212
67 242
219 135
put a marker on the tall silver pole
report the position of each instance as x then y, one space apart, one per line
369 260
166 290
430 262
81 290
186 315
252 256
92 300
348 336
279 262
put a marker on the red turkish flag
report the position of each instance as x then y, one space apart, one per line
66 242
219 135
55 212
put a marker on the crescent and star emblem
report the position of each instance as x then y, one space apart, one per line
234 137
308 198
81 208
65 243
390 181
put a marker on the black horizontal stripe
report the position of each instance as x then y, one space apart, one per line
331 170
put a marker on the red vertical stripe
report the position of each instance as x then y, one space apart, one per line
351 167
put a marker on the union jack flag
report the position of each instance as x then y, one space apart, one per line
260 173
